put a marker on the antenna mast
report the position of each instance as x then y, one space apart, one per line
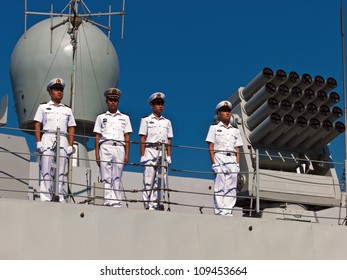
75 20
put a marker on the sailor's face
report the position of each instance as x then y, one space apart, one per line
224 116
57 94
112 104
158 107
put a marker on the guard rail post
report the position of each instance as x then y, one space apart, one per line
257 203
57 164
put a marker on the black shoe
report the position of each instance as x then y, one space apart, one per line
55 198
160 207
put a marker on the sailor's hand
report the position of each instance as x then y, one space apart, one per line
216 168
168 159
97 159
69 150
39 147
126 159
237 167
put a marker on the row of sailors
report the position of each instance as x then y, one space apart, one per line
112 142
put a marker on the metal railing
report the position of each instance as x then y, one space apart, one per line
171 195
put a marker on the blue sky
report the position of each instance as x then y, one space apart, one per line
199 52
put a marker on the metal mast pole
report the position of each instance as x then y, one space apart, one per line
344 82
75 22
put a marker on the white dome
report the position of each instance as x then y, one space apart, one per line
33 66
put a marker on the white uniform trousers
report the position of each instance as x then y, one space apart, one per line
47 172
111 169
151 177
225 184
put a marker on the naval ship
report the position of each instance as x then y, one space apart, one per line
289 201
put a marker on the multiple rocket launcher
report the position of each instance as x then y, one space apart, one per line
290 120
289 111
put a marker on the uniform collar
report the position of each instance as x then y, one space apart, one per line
113 114
154 117
221 124
52 103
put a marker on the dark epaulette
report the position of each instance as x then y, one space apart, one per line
125 114
67 106
101 114
43 103
145 116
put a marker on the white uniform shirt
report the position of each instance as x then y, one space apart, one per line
224 138
156 130
52 116
112 126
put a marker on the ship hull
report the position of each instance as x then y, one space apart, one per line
38 230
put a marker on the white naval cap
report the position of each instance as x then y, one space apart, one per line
56 83
112 92
157 96
223 105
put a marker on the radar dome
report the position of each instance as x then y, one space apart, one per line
40 56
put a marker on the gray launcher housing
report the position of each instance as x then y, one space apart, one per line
290 120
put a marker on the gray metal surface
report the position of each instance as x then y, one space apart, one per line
14 167
34 230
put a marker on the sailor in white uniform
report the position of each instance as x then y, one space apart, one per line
50 116
112 143
224 142
154 130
